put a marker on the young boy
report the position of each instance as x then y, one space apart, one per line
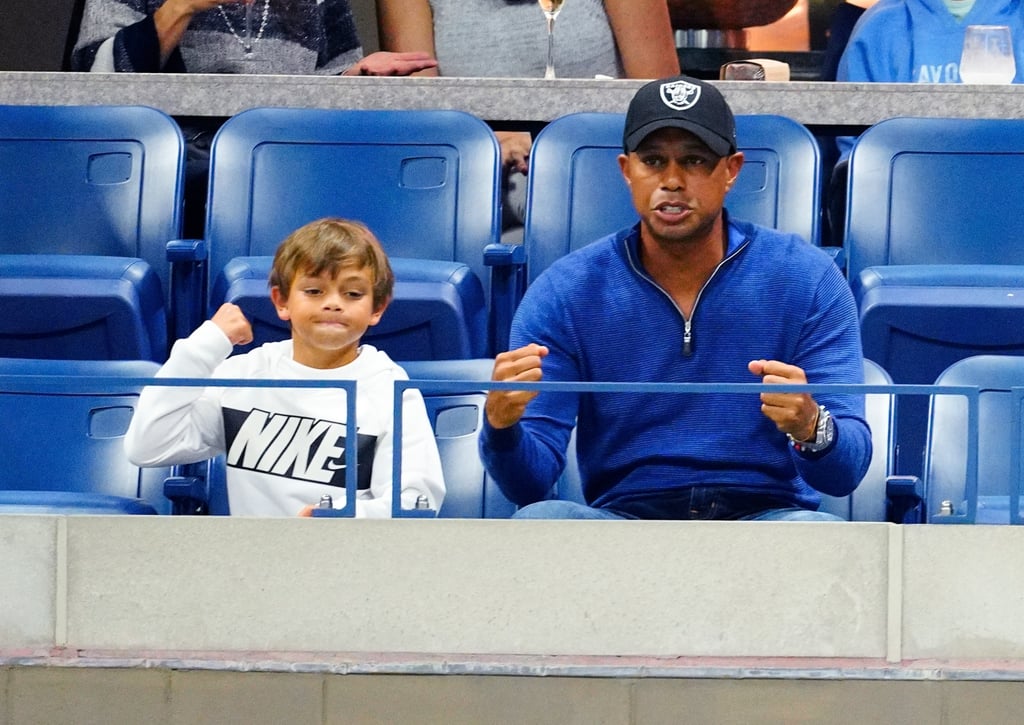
285 447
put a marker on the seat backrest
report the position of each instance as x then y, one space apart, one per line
945 470
866 503
457 418
935 191
91 181
425 182
576 193
62 443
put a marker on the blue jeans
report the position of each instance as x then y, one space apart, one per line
706 503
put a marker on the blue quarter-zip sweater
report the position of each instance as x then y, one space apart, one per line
774 297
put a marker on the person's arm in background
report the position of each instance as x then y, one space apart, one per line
407 26
342 54
643 34
107 42
173 17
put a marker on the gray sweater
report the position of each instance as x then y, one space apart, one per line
508 38
289 37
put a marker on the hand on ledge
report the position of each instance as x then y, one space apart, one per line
384 63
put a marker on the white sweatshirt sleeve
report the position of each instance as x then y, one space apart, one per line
175 425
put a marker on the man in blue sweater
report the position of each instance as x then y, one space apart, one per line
688 295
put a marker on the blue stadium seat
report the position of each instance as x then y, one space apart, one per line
869 501
932 251
90 211
425 182
934 191
576 193
457 417
61 438
997 447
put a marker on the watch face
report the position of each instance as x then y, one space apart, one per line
826 431
830 429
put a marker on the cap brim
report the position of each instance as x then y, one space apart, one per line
719 145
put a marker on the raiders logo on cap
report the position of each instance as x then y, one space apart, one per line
680 95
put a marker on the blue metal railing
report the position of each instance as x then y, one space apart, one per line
972 395
84 383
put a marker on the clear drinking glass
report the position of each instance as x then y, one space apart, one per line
551 9
988 55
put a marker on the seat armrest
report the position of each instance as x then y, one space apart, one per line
838 255
188 495
186 250
508 283
905 499
504 254
188 285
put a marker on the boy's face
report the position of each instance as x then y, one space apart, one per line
328 315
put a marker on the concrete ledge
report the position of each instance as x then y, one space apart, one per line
415 621
501 99
854 596
399 663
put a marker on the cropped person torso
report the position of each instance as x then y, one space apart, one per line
508 38
288 37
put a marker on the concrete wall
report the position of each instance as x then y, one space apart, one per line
139 619
871 592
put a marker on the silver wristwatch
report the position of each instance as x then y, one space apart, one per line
824 434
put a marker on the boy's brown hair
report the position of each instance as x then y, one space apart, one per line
328 245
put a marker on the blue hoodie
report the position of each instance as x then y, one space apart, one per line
919 41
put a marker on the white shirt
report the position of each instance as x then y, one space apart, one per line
285 446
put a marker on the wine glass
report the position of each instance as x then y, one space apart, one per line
551 9
987 55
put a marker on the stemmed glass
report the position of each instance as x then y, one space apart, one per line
551 9
987 55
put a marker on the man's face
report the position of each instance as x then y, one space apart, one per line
678 185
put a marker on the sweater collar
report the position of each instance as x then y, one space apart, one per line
735 238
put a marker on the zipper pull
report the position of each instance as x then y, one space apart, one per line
687 339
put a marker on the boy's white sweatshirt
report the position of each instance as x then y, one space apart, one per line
285 446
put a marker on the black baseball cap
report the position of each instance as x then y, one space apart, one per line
681 102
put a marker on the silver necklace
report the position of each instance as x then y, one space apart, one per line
259 33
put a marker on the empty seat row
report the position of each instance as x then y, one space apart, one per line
92 266
91 218
932 243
